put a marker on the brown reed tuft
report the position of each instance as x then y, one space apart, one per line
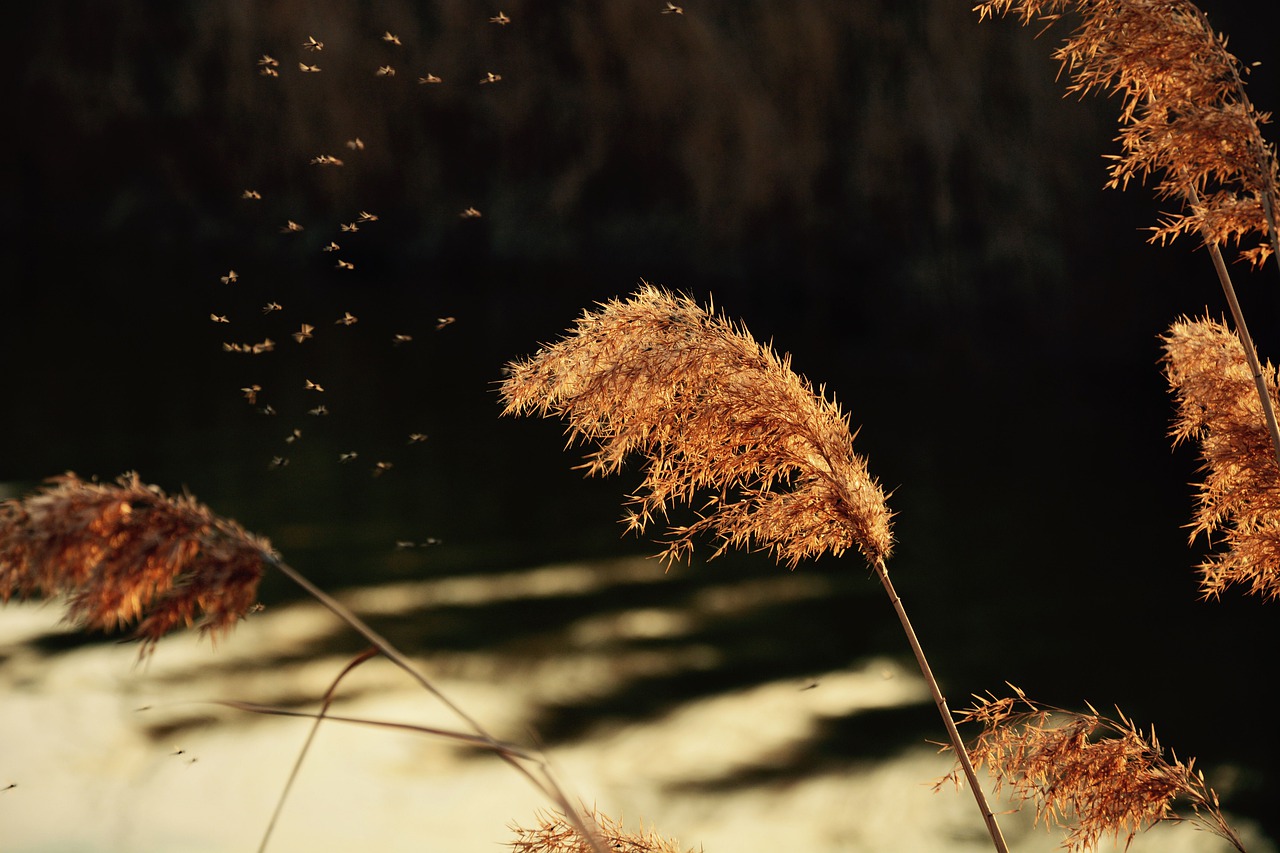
710 410
556 834
1185 118
1089 774
1218 407
126 552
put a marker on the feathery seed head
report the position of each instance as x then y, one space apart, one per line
711 411
127 553
1218 407
1185 118
1086 773
556 834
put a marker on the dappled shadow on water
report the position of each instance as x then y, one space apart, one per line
834 746
586 646
660 691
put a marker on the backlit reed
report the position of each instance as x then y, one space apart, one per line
125 553
1089 774
716 416
556 834
1239 498
711 412
1185 120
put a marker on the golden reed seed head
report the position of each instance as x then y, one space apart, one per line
126 553
1185 118
1086 773
1218 407
712 413
555 834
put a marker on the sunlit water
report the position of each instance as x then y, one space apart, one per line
106 755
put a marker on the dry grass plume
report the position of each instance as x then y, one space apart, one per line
556 834
710 411
1218 408
1086 773
713 412
1185 119
126 553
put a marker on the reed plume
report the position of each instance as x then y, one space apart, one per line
1185 120
557 834
1086 773
1240 496
126 552
710 410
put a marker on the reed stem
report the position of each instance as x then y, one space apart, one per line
993 827
546 784
1246 341
381 643
306 746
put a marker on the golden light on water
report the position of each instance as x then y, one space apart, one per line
107 755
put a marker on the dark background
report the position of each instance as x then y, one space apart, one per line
894 193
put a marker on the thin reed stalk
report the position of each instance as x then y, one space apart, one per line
543 779
1246 346
948 719
716 416
127 553
478 741
327 701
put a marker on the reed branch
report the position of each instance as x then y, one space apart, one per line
711 411
1246 340
125 553
543 779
